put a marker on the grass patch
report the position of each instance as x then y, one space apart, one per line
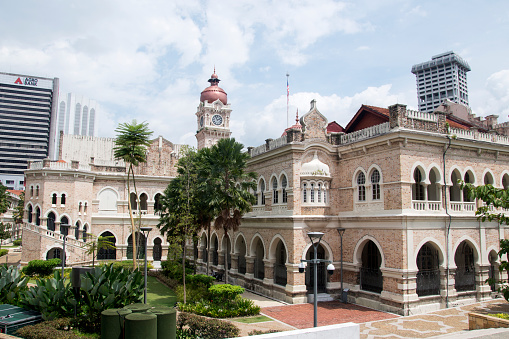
159 294
501 315
252 320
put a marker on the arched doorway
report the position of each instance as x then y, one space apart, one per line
30 212
38 216
370 274
259 265
428 277
54 253
143 202
215 247
464 279
280 276
77 230
321 275
240 249
110 253
140 246
51 221
157 249
85 235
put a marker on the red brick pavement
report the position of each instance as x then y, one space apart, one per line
329 313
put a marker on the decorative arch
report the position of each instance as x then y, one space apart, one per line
253 241
108 198
472 243
273 245
419 165
375 167
357 253
355 174
54 212
473 178
328 250
435 243
439 175
488 177
504 180
239 236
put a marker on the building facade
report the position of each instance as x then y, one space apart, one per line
411 240
27 111
443 77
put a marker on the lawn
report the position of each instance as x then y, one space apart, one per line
252 320
159 294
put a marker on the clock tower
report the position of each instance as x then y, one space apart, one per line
213 114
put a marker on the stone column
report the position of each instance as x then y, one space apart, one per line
220 259
71 232
235 263
249 267
482 287
269 271
443 283
44 222
57 227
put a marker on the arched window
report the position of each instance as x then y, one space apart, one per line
51 221
37 191
157 203
488 179
62 199
467 179
275 193
38 216
505 181
108 253
157 250
312 192
319 192
280 265
417 187
375 184
465 268
143 201
30 211
85 235
134 201
434 186
262 192
64 230
361 188
305 192
370 273
284 184
259 265
240 248
79 207
77 230
454 190
54 199
31 191
85 208
428 277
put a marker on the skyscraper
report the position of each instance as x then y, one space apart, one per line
443 77
76 115
28 107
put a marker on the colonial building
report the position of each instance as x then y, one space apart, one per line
411 240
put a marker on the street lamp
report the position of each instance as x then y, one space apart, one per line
145 230
315 238
64 229
341 231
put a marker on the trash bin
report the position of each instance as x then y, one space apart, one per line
13 317
344 295
166 322
141 325
138 308
112 323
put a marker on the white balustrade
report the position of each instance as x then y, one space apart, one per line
366 133
422 116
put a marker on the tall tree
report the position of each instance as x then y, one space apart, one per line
4 199
131 146
230 186
19 211
179 217
4 232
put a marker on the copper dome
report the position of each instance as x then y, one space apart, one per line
214 92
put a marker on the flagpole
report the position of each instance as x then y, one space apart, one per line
287 98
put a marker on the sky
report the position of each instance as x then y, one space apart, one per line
150 60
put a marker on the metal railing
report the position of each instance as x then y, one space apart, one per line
371 279
428 282
280 274
465 278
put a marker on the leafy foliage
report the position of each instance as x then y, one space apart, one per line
94 244
52 297
12 284
173 269
193 326
19 211
17 242
224 293
130 145
3 252
4 199
54 329
41 268
4 232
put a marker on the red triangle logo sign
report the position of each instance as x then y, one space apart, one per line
18 81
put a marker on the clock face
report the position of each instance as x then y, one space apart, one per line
201 121
217 119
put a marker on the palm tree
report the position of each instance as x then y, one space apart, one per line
230 185
131 143
97 244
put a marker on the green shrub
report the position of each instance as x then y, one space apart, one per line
194 293
55 329
173 269
200 279
240 307
502 316
41 267
171 283
195 326
12 285
224 293
3 252
128 264
17 242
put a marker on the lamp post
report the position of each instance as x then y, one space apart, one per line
64 229
341 231
315 238
145 230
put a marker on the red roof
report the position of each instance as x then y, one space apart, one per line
334 127
17 192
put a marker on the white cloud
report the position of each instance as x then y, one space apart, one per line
495 96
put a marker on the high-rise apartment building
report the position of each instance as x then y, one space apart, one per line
76 115
443 77
28 107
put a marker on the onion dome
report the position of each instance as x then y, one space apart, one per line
315 168
214 92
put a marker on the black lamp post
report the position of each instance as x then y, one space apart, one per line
315 237
64 230
145 230
341 231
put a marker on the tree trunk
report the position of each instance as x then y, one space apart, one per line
208 248
138 229
133 233
195 250
184 268
226 257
